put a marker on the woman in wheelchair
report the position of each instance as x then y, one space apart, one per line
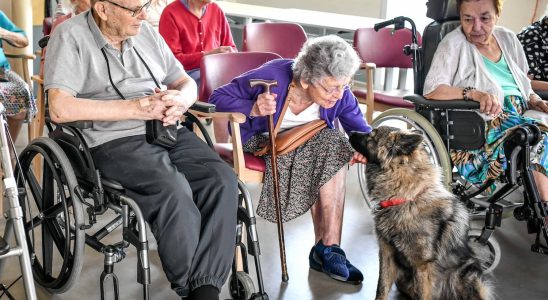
14 91
316 87
482 62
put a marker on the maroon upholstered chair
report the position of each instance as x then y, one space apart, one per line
218 70
384 49
285 39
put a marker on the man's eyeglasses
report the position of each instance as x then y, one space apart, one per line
134 12
337 89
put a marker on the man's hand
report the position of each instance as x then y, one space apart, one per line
357 158
171 103
264 106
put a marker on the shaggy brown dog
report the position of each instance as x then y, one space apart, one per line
422 228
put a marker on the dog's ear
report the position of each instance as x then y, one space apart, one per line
358 140
409 142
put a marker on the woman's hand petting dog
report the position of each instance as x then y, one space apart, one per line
357 158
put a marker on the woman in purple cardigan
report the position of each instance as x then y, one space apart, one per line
312 176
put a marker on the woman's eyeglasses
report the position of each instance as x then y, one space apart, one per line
333 90
134 12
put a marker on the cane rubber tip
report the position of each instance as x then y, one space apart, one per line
285 278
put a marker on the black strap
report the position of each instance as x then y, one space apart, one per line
110 76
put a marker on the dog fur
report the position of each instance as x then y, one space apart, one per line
423 243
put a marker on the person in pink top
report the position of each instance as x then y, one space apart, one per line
74 7
194 28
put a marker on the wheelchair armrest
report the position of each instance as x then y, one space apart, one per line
79 124
542 94
21 55
203 107
419 100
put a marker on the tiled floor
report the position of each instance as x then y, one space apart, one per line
521 274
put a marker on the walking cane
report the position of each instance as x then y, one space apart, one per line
267 84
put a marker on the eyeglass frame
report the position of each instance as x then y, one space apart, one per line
134 12
334 90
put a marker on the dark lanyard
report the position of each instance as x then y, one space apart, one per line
110 77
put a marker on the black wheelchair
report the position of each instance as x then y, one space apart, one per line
66 196
455 125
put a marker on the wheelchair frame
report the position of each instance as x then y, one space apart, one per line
70 181
455 125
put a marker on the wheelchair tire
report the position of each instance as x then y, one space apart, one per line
492 246
241 286
53 216
433 141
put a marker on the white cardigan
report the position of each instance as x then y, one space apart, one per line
459 63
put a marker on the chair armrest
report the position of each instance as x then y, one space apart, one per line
235 117
368 65
22 55
419 100
38 79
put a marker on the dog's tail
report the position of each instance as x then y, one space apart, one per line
469 282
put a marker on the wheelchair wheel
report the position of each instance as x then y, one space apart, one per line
241 286
409 119
53 215
492 247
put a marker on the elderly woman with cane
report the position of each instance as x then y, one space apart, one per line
313 87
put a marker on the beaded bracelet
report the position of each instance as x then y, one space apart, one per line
465 93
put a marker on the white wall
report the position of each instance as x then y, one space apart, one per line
515 15
366 8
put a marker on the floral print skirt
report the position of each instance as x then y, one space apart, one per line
301 173
15 94
488 162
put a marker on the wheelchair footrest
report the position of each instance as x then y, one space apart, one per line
4 246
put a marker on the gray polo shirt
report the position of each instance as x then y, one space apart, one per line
74 63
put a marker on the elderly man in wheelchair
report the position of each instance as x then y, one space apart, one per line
487 136
109 67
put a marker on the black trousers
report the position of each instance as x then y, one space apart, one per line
188 195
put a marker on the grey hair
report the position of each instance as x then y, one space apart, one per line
325 56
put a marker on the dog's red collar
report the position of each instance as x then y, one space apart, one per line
391 202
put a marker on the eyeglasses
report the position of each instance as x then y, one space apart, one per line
134 12
337 89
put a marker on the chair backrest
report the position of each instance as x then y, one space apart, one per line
446 19
285 39
219 69
385 49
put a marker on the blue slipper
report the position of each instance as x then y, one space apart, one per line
329 260
355 276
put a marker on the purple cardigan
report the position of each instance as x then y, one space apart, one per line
238 96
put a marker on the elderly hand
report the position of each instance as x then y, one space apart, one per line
264 106
489 103
176 105
167 106
222 49
357 158
538 104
